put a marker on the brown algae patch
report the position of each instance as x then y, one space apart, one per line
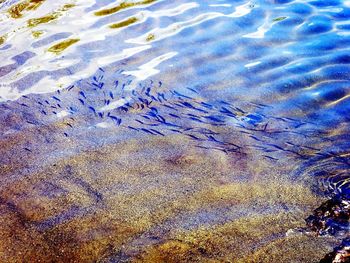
124 23
59 47
122 6
16 11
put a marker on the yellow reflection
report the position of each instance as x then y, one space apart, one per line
58 48
124 23
16 11
2 39
45 19
37 34
122 6
41 20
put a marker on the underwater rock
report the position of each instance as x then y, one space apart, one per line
340 254
331 217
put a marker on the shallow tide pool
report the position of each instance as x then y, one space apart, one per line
174 131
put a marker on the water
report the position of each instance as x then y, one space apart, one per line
163 131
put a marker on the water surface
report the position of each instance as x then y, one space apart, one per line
163 131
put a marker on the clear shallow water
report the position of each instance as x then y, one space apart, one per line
258 90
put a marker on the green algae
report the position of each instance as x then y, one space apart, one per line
281 18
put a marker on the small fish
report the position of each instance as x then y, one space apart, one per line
82 102
170 107
170 124
193 90
161 119
271 158
82 94
72 110
213 118
276 146
255 138
55 98
290 143
111 95
265 126
124 108
141 122
224 102
148 92
213 139
145 101
27 149
93 110
154 109
43 112
147 131
226 111
240 110
132 128
24 105
177 131
70 87
158 132
194 137
260 105
152 114
311 148
173 115
65 134
161 96
299 125
196 119
180 95
209 106
117 120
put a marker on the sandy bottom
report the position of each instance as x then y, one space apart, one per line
148 199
